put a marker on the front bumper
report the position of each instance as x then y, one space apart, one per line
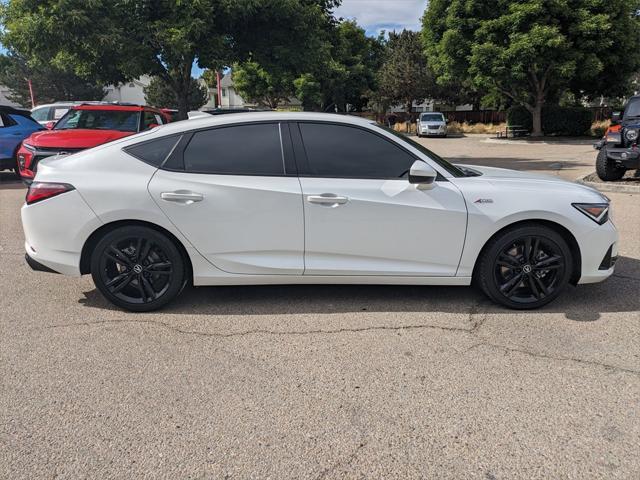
627 157
440 132
599 251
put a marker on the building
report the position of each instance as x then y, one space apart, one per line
129 92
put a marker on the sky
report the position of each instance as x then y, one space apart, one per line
376 15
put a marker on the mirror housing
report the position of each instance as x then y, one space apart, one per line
50 125
615 118
422 175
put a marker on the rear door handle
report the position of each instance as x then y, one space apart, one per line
327 199
182 196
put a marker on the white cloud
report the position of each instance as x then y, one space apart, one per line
375 15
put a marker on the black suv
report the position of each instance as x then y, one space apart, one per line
619 147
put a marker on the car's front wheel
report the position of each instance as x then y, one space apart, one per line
607 169
137 268
525 267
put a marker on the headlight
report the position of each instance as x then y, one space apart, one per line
598 212
631 135
613 137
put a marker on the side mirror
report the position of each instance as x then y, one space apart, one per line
50 125
423 175
615 117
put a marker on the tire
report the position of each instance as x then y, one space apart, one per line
133 283
510 276
606 169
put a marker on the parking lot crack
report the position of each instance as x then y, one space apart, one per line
593 363
268 332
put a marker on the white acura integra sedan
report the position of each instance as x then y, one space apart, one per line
286 198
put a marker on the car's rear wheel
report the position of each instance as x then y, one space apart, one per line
137 268
607 169
525 267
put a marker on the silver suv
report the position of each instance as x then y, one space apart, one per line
431 124
52 112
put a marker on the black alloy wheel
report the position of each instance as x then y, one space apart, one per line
526 267
137 268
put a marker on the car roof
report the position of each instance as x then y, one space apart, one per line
216 120
115 107
16 111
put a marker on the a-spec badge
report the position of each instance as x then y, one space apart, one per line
484 200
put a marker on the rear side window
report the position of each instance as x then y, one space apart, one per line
350 152
6 120
154 152
237 150
41 114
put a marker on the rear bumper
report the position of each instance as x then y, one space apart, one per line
7 163
37 266
56 230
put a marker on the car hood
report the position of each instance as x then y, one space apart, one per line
526 180
75 138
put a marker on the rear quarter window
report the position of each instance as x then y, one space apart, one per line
154 152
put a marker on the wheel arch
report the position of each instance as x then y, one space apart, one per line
574 247
94 238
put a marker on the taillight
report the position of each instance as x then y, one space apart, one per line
42 190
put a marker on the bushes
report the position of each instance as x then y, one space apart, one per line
490 128
569 121
598 129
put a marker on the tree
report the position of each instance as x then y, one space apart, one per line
160 94
340 70
347 76
116 41
404 77
255 84
532 51
49 84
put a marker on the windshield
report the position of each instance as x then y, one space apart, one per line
431 117
123 121
633 108
452 169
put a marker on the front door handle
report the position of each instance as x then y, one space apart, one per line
327 199
182 196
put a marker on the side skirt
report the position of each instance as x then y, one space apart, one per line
335 279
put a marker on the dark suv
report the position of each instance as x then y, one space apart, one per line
619 146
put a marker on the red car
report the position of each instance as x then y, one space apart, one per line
85 126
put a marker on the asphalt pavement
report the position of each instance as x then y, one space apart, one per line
324 382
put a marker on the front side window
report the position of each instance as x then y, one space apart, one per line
58 112
149 120
449 167
350 152
120 120
237 150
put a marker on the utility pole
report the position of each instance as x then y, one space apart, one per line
33 101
